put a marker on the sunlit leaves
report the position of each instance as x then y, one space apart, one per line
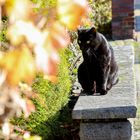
28 108
101 13
17 9
2 1
58 36
28 137
23 31
6 129
71 12
34 43
18 65
45 42
47 56
46 61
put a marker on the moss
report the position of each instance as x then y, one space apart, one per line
51 99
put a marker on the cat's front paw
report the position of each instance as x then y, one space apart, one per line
102 91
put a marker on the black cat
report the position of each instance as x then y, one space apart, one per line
98 71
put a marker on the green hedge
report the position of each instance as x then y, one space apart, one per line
52 98
101 15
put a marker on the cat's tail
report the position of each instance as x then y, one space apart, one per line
109 86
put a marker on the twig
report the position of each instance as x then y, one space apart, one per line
19 130
73 65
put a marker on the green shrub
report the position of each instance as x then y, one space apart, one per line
45 3
101 15
51 99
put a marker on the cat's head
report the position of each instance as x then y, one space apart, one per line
87 39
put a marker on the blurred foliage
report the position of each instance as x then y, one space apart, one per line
51 99
101 15
3 31
45 3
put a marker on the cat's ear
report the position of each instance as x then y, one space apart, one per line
93 30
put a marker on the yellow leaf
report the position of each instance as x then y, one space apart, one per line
58 36
29 108
71 12
2 1
46 56
46 60
51 78
18 65
24 31
17 9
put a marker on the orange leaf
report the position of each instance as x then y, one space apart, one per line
2 1
71 12
51 78
29 108
46 60
58 36
18 65
17 9
46 56
21 31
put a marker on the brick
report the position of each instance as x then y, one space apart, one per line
122 10
123 20
115 19
119 2
131 14
129 19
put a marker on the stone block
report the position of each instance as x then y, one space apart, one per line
106 131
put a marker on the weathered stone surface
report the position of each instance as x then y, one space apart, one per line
120 102
106 131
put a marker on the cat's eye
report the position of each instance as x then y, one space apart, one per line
88 42
79 41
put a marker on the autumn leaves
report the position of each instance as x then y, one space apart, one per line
34 49
34 41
